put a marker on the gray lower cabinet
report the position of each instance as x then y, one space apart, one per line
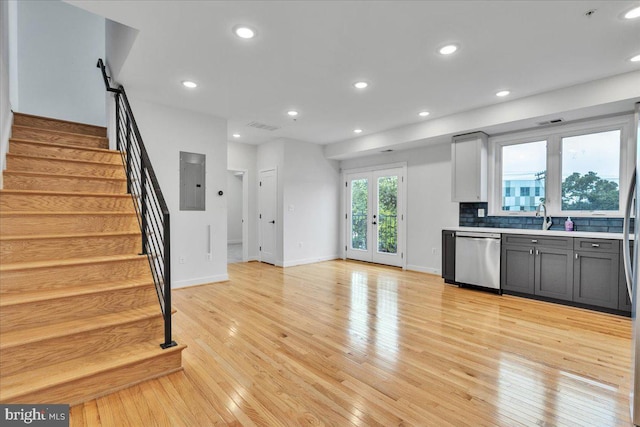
596 272
554 273
538 266
517 269
449 256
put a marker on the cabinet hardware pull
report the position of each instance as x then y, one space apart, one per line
576 256
530 251
537 252
595 245
534 241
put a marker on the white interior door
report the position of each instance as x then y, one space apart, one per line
375 216
267 216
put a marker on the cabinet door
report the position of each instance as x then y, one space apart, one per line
624 303
469 168
596 278
554 273
517 269
448 256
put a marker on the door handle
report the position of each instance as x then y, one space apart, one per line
272 222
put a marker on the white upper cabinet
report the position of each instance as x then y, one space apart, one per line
469 167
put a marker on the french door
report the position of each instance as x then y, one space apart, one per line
375 216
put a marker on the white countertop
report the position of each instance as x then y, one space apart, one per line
557 233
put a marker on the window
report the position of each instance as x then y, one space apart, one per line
591 172
523 167
579 169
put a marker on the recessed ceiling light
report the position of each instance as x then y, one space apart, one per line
360 85
244 32
357 130
448 49
635 59
236 135
503 93
292 113
423 113
633 13
189 84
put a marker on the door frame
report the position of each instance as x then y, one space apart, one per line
402 210
277 210
245 211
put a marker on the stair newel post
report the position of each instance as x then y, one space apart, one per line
166 231
143 206
129 154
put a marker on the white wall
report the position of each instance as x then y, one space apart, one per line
58 48
311 207
244 157
167 131
307 202
5 101
429 205
234 207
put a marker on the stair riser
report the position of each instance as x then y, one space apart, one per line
110 381
65 276
28 225
63 167
52 183
45 135
46 150
48 203
41 313
47 352
27 250
58 125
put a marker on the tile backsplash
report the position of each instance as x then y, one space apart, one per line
469 218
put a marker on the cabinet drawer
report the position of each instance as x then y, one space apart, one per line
596 245
535 240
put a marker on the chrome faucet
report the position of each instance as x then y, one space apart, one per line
545 224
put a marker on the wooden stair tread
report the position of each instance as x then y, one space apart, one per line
66 262
20 118
55 175
63 133
68 371
69 236
65 146
50 294
65 213
62 193
26 336
63 159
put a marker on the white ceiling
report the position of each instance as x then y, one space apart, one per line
307 55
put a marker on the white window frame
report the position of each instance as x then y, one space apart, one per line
553 178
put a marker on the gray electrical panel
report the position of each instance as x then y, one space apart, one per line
192 181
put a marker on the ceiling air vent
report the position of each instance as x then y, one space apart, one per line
262 126
550 122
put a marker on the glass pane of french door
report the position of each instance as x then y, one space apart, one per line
387 214
359 213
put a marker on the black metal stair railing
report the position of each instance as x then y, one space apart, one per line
151 208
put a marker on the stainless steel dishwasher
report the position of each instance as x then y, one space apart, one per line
478 259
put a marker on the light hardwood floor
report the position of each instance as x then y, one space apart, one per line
345 343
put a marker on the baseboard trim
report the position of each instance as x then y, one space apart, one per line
420 269
199 281
309 260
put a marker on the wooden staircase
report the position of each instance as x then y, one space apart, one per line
79 314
